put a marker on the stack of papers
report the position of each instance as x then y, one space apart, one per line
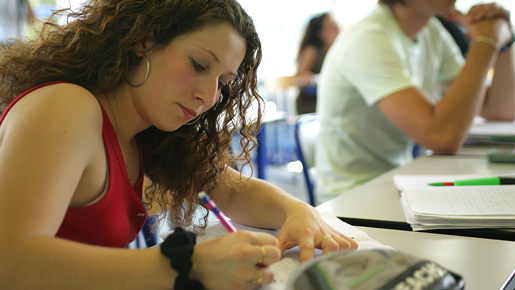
455 207
484 132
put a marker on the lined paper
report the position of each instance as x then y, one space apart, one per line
290 260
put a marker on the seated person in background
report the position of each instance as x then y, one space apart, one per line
14 14
126 90
397 77
319 36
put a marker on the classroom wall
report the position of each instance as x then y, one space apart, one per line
280 23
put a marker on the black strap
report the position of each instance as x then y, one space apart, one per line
178 247
509 44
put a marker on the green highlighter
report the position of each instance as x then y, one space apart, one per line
494 180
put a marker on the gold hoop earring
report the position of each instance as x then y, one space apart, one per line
215 107
146 74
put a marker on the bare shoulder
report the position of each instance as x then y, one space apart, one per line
63 95
50 141
61 114
65 104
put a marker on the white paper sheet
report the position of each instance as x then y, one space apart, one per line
291 258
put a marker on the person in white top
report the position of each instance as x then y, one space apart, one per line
13 15
397 77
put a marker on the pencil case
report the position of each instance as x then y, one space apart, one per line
373 270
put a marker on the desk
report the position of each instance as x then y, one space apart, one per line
377 202
483 263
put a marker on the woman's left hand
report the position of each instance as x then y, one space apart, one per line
306 228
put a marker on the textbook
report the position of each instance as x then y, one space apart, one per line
290 261
429 207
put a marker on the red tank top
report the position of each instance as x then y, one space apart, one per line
116 219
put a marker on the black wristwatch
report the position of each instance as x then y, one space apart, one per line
509 44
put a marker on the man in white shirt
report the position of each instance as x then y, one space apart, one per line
397 77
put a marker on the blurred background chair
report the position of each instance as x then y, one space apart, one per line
146 237
306 131
281 90
275 140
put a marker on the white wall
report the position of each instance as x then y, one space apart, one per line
280 25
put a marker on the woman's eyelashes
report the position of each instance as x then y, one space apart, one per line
200 69
197 66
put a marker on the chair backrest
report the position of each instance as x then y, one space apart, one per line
280 83
282 91
306 132
146 238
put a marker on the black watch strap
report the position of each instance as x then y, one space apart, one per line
509 44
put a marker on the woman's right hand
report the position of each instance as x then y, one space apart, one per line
235 261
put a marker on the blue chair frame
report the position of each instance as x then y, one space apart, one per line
148 236
302 120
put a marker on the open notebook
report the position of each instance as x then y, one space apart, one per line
447 207
291 258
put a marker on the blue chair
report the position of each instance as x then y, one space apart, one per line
306 131
146 237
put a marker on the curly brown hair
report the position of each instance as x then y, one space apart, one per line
95 50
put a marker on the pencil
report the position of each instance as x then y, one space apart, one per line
211 205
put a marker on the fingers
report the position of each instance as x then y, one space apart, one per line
263 248
257 238
327 243
458 17
257 248
344 242
239 260
306 249
263 274
328 240
262 253
486 11
336 242
268 255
